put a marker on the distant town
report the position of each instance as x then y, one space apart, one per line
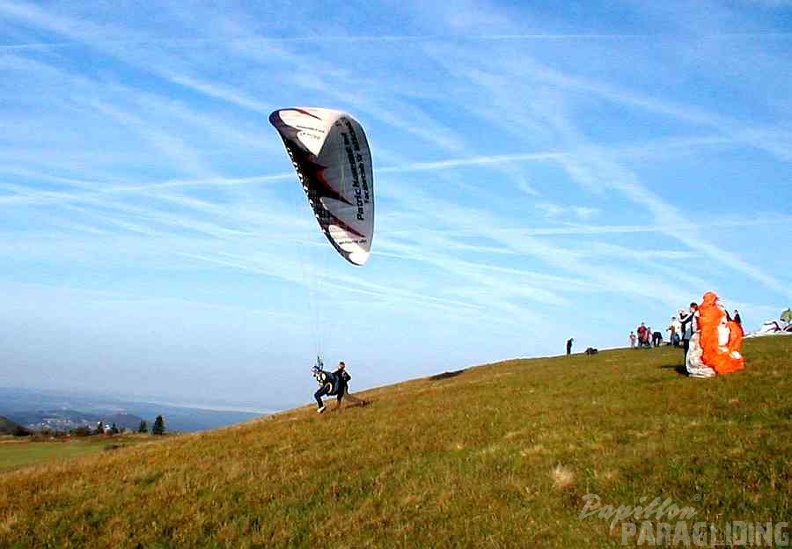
61 412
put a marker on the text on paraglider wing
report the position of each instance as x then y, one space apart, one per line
358 168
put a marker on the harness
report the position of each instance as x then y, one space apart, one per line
327 380
331 382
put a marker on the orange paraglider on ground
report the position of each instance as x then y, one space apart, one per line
721 339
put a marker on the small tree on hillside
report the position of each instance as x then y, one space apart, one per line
143 427
21 431
159 426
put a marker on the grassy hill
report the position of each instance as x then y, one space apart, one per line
19 452
499 455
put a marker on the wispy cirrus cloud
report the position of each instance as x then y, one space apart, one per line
591 166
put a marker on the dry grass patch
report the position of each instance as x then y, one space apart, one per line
563 477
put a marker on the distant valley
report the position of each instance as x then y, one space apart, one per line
62 411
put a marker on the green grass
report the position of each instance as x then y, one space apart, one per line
17 452
497 456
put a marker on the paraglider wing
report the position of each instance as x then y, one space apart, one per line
721 339
331 154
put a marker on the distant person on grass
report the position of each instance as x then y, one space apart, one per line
674 328
641 334
738 320
569 345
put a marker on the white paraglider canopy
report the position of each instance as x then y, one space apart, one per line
331 154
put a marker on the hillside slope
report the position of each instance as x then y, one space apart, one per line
499 455
7 426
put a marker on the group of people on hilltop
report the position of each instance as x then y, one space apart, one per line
689 324
715 338
680 330
645 337
710 337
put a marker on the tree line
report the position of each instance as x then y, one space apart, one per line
101 428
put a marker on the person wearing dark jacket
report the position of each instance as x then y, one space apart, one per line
738 320
343 386
688 320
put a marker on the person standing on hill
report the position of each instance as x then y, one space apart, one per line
643 335
738 320
689 323
569 345
342 390
674 329
633 339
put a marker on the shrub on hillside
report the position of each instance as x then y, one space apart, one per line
20 431
159 426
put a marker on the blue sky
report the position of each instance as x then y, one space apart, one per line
544 172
